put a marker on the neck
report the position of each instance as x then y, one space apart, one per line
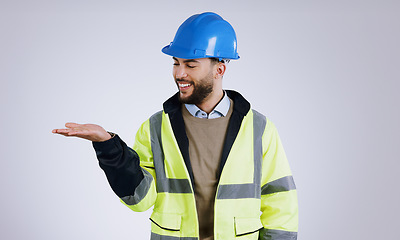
211 101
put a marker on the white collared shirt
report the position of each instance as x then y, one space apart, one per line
220 110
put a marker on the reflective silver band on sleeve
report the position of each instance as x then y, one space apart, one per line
280 185
141 190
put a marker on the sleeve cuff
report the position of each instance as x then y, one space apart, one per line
108 149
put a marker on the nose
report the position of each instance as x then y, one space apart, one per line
180 72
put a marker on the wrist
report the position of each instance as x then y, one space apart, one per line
111 134
104 137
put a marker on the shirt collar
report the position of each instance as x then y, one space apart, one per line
221 110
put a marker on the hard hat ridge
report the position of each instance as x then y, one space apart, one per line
204 35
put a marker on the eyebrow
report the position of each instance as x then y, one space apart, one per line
186 60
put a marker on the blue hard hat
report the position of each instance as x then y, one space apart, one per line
205 35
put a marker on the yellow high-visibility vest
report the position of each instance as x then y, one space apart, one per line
256 197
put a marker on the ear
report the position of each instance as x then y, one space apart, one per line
220 70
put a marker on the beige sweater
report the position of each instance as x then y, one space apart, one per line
206 140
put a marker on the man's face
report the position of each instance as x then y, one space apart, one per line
194 78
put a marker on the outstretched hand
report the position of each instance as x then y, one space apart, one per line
92 132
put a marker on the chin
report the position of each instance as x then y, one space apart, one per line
183 99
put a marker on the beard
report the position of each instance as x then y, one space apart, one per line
201 91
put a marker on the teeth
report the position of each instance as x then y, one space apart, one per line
184 85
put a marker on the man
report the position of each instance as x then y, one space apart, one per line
212 167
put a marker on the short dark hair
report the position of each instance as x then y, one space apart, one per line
216 60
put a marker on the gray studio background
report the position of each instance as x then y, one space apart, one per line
325 72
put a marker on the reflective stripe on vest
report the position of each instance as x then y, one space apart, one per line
246 190
227 191
155 236
267 234
164 184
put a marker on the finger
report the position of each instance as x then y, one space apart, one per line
63 132
60 130
72 125
71 132
79 132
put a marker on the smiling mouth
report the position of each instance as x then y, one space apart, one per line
184 86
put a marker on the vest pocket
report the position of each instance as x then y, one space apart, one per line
247 226
167 221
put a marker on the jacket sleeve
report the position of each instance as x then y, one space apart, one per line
120 164
279 205
130 172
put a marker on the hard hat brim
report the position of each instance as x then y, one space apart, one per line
185 54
